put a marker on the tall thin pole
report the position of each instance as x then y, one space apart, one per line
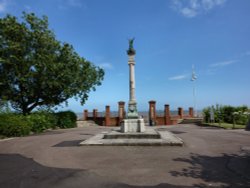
193 79
194 98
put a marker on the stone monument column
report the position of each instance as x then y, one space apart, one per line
132 123
131 63
132 105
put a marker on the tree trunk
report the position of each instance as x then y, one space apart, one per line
25 110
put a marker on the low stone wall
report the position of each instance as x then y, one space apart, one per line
153 119
160 120
81 123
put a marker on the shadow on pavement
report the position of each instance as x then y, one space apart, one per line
19 171
163 185
230 170
177 132
88 134
71 143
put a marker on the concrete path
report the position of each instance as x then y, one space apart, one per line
210 157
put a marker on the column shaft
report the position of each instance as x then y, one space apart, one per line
132 82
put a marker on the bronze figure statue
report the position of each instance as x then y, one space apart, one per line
131 43
131 50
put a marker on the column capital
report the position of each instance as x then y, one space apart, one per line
131 59
152 102
121 103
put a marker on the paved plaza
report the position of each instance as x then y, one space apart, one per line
210 157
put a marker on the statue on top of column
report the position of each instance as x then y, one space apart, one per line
131 50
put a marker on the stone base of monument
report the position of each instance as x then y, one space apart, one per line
150 137
132 125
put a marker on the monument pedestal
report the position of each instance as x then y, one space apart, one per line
132 125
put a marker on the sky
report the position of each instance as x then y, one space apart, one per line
171 36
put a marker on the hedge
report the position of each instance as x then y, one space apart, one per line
66 119
41 121
14 125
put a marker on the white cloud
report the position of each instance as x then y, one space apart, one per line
192 8
188 12
222 64
106 66
65 4
3 5
178 77
74 3
214 67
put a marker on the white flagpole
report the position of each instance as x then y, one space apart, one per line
194 96
193 79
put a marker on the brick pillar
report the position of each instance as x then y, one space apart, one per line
95 114
191 112
180 112
167 115
152 113
107 116
121 111
85 115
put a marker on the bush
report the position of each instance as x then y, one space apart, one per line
227 114
217 111
18 125
240 117
66 119
14 125
40 121
206 114
243 120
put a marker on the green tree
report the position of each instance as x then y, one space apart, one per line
38 70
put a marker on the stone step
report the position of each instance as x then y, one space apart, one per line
132 136
166 139
135 142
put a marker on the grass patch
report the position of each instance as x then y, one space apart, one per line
226 125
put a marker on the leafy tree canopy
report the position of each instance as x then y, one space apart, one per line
38 70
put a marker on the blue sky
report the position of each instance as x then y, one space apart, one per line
170 37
